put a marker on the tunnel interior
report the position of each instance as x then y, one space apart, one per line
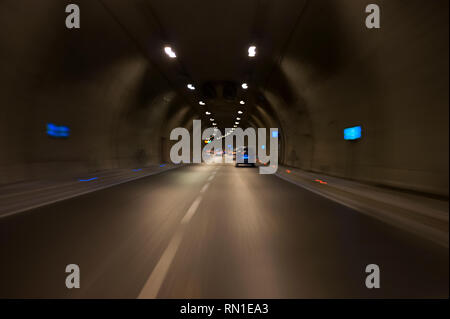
317 71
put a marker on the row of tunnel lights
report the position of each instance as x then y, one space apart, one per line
236 123
251 53
169 51
191 87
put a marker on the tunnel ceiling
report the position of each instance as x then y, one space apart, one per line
211 41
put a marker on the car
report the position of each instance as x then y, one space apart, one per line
245 155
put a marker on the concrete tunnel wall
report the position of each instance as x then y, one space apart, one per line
392 81
93 80
334 73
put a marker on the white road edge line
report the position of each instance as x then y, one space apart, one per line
211 178
156 279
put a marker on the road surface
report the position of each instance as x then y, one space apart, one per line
212 231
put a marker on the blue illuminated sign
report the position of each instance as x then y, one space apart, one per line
88 179
57 130
352 133
274 134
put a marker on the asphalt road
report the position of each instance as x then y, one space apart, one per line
244 235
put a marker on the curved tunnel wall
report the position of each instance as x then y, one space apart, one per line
392 81
94 80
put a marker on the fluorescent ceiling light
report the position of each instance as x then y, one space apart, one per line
238 118
207 113
240 112
242 102
190 87
244 86
252 51
170 52
201 103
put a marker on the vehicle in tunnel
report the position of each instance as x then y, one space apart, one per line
245 155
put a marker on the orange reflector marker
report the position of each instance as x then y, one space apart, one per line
320 181
288 171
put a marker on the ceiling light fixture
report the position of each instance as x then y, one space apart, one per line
207 113
244 86
170 52
240 112
242 102
202 103
238 118
252 51
191 87
211 119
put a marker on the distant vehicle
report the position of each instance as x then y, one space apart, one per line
245 155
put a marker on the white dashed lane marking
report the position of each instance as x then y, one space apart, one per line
159 273
156 279
204 188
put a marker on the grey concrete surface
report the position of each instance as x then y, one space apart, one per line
249 236
392 81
